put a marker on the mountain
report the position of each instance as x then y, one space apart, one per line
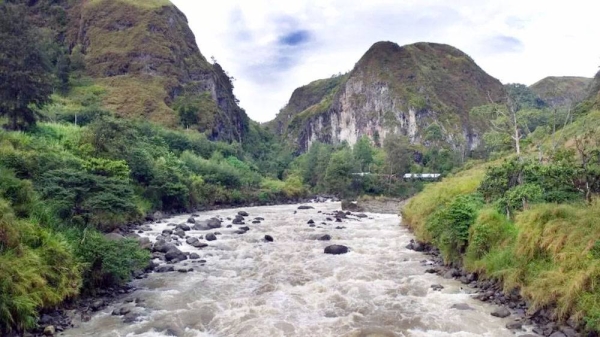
593 93
144 57
393 89
562 91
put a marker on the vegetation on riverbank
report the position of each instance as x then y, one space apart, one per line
528 222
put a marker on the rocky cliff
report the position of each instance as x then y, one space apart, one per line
562 91
144 55
394 89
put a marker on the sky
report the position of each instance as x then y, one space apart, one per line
272 47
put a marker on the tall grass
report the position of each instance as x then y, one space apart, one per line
434 196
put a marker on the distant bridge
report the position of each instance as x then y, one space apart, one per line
406 176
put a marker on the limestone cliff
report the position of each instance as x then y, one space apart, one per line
395 89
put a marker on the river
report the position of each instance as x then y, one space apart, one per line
289 287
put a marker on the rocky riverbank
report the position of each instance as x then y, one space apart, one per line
511 304
166 257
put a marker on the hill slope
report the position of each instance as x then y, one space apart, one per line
395 89
144 56
561 91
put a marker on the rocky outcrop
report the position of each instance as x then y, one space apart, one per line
142 57
398 90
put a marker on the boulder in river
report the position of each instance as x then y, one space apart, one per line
461 306
361 215
259 219
305 207
336 249
501 312
268 238
243 213
164 269
255 221
325 237
175 254
210 237
191 220
183 227
207 224
145 243
310 222
194 242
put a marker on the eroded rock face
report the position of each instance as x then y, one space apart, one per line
396 90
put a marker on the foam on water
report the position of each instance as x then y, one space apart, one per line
289 287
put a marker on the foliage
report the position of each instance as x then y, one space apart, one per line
449 225
25 75
108 262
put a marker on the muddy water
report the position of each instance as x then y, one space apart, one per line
289 287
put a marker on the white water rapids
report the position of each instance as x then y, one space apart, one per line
289 287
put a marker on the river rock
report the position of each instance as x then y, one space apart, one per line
97 305
501 312
191 220
312 225
183 227
461 306
310 222
145 243
437 287
161 246
238 220
166 232
305 207
244 228
194 256
175 254
558 334
239 232
336 249
255 221
179 232
164 269
210 237
114 236
325 237
259 219
514 325
268 238
50 330
243 213
361 215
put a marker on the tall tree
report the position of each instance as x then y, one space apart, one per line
25 74
363 153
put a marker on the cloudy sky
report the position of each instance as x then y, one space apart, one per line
272 47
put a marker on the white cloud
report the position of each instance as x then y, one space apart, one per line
512 40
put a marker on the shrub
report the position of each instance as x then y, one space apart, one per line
108 262
449 225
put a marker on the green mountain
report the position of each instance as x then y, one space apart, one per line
562 91
393 89
143 61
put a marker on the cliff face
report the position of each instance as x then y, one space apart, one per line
143 53
562 91
395 89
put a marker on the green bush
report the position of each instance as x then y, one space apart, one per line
449 225
490 230
37 270
108 262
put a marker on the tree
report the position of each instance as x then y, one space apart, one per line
399 153
337 177
363 153
25 73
